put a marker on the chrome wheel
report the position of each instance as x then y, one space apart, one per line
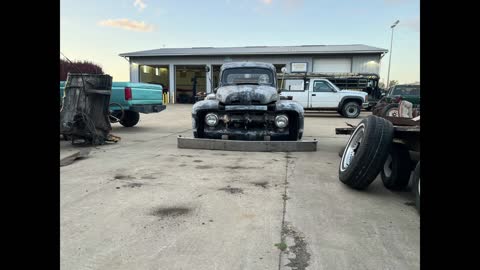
418 187
352 147
387 167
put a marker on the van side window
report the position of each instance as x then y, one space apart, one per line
321 86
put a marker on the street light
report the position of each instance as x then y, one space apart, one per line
390 59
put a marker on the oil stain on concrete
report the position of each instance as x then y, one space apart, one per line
262 184
170 211
231 190
299 249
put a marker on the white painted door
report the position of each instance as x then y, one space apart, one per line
296 90
323 95
332 65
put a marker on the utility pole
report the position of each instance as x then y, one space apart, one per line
390 58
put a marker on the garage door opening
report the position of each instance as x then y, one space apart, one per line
155 75
189 81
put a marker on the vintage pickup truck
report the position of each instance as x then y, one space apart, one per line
129 99
247 106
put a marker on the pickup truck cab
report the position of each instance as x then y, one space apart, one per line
321 94
129 99
389 104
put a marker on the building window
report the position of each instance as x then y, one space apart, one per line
145 70
156 72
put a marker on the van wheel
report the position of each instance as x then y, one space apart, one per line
130 119
366 152
397 168
351 110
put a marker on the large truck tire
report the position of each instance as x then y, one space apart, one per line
351 109
397 168
366 152
416 186
130 119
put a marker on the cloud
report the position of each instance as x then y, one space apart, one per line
128 25
140 3
266 2
413 24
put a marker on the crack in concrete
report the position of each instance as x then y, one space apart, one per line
299 249
284 196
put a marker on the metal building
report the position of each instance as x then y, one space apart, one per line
182 70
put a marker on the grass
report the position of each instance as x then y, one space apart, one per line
282 246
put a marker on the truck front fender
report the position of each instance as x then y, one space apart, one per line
360 99
288 105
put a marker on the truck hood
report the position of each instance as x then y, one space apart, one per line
247 94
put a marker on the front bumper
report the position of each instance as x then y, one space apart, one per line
150 108
248 125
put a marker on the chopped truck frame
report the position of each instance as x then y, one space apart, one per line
247 106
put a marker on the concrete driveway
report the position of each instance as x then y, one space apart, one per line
144 204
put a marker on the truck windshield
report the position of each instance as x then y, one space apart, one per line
235 76
406 90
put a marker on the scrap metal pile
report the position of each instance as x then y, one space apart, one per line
84 116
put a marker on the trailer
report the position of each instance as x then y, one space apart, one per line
382 145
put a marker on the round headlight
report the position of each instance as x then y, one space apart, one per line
211 119
281 121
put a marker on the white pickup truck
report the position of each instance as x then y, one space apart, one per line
321 94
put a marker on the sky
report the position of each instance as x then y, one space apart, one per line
99 30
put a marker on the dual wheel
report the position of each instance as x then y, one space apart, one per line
370 151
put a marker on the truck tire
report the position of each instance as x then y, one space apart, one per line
130 119
397 168
366 152
390 110
341 151
351 109
416 185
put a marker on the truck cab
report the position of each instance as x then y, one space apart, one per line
321 94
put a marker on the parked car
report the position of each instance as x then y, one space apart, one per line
247 106
128 100
321 94
388 105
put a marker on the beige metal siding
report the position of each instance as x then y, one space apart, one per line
366 64
332 65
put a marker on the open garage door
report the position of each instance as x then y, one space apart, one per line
189 81
330 65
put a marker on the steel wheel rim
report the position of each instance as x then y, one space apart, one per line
352 147
351 110
418 187
387 167
393 112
